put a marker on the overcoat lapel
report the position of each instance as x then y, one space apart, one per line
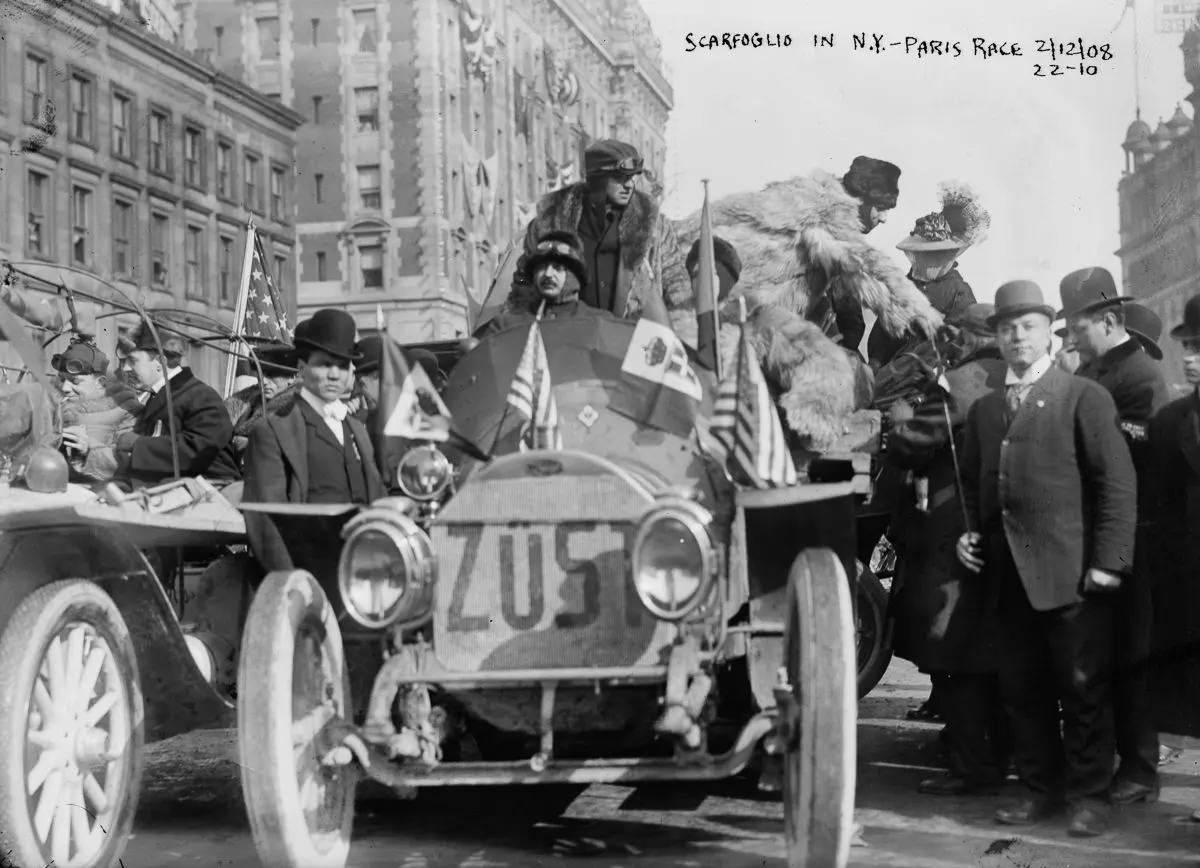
1044 390
289 429
1189 434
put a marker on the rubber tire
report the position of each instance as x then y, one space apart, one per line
285 602
38 618
873 604
819 763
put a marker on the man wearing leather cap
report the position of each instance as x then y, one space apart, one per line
1094 312
630 252
203 430
96 410
312 450
556 270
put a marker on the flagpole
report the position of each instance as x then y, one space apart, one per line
236 340
708 262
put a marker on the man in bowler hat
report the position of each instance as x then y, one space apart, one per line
1051 496
1173 529
311 450
1096 316
203 430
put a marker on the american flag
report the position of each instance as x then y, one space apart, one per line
266 315
532 397
746 427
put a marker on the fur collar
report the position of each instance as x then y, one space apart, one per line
563 209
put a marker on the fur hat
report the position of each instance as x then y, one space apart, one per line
562 247
961 222
724 253
330 330
874 181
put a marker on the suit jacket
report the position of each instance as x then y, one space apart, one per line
1138 389
1057 486
277 472
204 435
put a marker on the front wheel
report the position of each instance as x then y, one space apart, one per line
291 673
818 767
873 635
71 729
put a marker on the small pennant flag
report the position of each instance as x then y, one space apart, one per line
531 395
409 405
746 425
266 314
658 386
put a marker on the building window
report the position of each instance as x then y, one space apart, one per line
81 225
225 280
218 31
37 96
37 196
316 109
122 237
370 264
250 178
160 231
225 170
278 204
122 125
193 157
318 180
83 107
193 262
320 265
268 38
366 105
159 131
366 30
368 187
280 272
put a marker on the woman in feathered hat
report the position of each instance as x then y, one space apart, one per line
933 248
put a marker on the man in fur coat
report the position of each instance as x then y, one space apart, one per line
796 239
634 262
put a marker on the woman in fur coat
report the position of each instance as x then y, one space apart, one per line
795 239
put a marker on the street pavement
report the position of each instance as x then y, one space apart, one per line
191 815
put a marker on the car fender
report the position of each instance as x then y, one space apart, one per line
177 696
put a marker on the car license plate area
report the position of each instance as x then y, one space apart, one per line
538 595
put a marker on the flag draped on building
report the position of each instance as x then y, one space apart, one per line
745 425
531 395
706 294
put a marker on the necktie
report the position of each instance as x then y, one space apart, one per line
335 410
1012 398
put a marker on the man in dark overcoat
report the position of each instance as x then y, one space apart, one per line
941 609
1173 509
310 451
203 430
1051 498
1109 355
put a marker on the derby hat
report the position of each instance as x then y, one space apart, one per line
612 157
1086 290
961 223
723 252
142 338
1145 327
1189 329
1016 298
564 248
330 330
874 181
974 318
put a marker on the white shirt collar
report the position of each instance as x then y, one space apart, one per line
1036 371
162 381
335 409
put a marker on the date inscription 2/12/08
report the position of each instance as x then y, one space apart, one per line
514 561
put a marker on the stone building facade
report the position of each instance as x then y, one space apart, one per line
1159 196
432 126
130 168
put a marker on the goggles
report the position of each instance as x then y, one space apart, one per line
627 166
74 367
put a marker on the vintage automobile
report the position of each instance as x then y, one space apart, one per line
617 610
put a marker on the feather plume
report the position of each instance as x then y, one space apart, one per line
975 220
